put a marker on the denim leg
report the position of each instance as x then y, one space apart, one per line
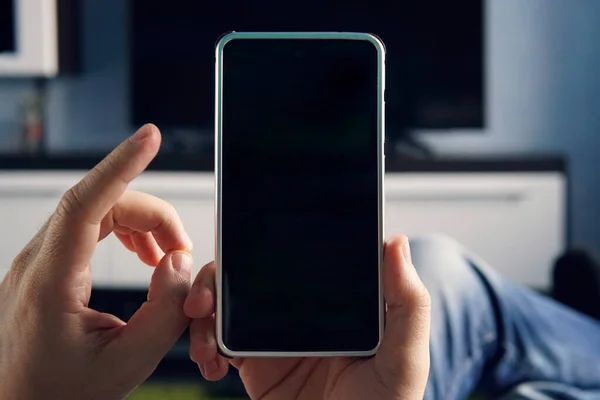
550 391
491 333
463 331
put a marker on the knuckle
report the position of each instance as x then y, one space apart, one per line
24 258
174 297
171 211
18 266
21 260
425 297
169 214
12 277
421 298
70 203
416 298
180 293
109 163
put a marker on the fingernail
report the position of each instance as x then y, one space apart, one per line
182 263
406 253
141 134
211 367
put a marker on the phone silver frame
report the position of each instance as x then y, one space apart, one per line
222 41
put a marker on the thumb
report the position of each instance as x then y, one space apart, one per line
157 325
403 357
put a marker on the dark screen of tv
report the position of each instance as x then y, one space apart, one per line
434 65
7 26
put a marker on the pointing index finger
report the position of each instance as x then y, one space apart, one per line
91 199
74 228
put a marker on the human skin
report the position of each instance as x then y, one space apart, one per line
399 370
52 345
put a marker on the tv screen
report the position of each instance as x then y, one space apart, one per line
7 26
434 66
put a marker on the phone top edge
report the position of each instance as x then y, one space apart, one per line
376 41
227 37
221 36
231 35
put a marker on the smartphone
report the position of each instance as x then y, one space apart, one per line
299 194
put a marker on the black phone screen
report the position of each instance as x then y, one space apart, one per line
300 201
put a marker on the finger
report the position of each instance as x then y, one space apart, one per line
141 212
203 345
158 324
215 370
126 240
200 303
75 226
203 349
404 352
146 248
144 245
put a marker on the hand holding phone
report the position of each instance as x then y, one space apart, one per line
399 370
295 297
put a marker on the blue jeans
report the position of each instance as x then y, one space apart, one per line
502 339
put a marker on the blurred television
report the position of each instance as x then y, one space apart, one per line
7 26
435 55
39 38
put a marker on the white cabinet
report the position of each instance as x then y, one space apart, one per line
514 221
